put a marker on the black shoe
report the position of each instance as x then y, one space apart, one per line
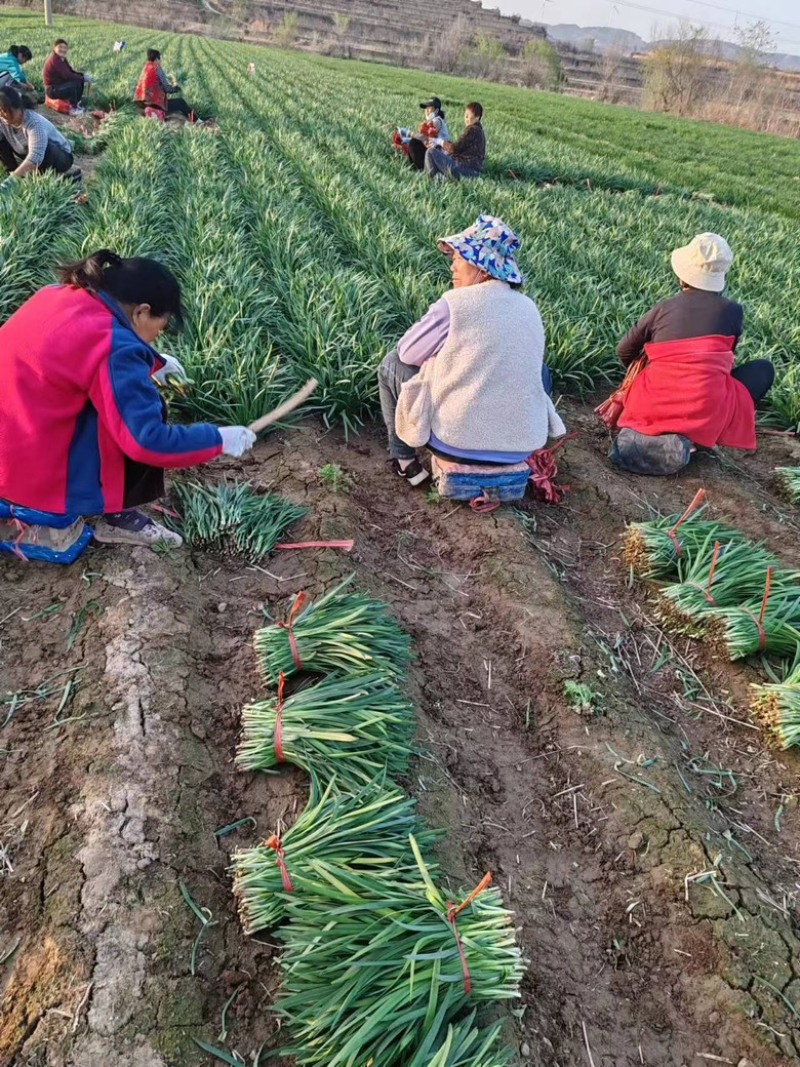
415 474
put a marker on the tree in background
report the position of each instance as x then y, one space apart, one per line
447 49
285 33
676 73
541 65
750 72
486 58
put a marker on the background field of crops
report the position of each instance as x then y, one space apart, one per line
305 247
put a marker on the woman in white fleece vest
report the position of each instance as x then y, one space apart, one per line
468 380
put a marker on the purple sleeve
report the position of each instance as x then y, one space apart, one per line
425 338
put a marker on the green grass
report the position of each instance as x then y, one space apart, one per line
305 247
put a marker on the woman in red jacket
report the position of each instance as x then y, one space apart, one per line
689 392
82 426
154 89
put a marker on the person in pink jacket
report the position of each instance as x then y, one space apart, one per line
82 425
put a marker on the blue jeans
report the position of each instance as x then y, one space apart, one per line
392 373
439 162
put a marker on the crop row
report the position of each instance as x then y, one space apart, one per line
305 248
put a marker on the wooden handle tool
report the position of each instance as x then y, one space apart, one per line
287 406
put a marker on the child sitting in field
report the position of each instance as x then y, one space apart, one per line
433 128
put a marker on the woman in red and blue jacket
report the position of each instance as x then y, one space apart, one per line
82 425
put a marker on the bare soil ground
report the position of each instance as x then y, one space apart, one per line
116 776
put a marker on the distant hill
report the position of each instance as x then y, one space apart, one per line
607 38
598 38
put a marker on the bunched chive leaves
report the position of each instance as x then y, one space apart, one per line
777 706
731 592
719 575
462 1044
233 517
380 966
344 632
355 729
789 482
658 548
338 834
370 976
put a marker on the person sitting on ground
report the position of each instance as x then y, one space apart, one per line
29 143
82 426
468 379
13 76
689 393
463 158
433 128
154 88
61 82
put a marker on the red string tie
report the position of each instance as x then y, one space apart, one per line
279 719
544 472
707 591
453 911
759 622
274 842
21 531
483 504
300 602
699 498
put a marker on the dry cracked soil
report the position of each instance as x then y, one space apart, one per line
121 681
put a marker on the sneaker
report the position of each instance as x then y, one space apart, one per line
133 527
415 474
76 111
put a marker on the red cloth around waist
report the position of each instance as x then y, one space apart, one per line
687 388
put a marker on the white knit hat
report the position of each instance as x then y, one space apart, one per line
704 262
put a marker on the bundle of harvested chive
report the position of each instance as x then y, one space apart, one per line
777 706
355 728
341 632
209 512
768 626
655 549
789 482
232 515
718 576
365 832
369 971
462 1045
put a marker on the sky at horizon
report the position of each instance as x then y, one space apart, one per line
653 18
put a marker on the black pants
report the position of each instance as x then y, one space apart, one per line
72 92
176 106
416 153
55 158
757 377
143 484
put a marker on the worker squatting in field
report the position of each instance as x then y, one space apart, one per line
83 429
464 381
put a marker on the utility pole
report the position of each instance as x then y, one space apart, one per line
48 12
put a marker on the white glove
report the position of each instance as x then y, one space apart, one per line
90 79
236 440
173 368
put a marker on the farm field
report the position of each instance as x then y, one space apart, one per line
637 820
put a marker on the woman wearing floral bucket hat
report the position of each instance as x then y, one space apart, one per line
468 380
688 392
